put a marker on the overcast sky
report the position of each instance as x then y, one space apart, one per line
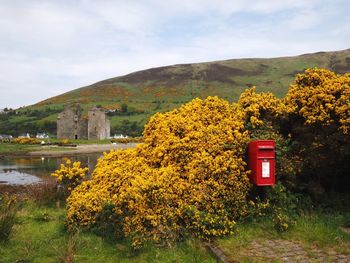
51 47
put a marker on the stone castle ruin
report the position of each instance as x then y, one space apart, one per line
72 124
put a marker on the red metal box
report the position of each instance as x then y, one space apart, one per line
261 162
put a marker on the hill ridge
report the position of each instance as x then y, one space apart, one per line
126 77
132 98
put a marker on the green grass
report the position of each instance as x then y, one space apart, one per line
21 118
322 229
6 148
11 148
117 120
40 236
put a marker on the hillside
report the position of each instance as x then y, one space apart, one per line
141 94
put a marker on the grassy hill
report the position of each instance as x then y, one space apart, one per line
139 95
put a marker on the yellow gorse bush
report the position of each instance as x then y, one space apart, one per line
70 174
64 142
321 96
260 107
262 112
26 140
188 176
318 119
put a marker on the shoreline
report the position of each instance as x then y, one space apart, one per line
80 149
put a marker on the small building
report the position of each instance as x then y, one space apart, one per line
5 137
73 124
120 136
24 135
42 135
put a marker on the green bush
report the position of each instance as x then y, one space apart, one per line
107 224
277 203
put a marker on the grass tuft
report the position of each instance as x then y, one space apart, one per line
8 211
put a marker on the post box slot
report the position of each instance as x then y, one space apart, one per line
265 148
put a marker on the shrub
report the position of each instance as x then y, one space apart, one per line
64 142
108 224
263 120
320 96
318 121
70 175
188 177
26 141
278 204
260 109
283 206
8 210
310 127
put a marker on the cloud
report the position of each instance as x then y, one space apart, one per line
43 24
128 16
50 47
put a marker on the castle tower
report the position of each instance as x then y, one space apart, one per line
98 124
71 124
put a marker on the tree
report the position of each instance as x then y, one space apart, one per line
124 107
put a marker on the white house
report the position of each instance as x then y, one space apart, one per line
42 135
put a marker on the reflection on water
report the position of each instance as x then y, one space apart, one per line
14 177
27 170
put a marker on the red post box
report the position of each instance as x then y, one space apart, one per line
261 162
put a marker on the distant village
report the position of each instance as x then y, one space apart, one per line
72 123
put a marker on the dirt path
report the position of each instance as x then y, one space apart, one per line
281 250
81 149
